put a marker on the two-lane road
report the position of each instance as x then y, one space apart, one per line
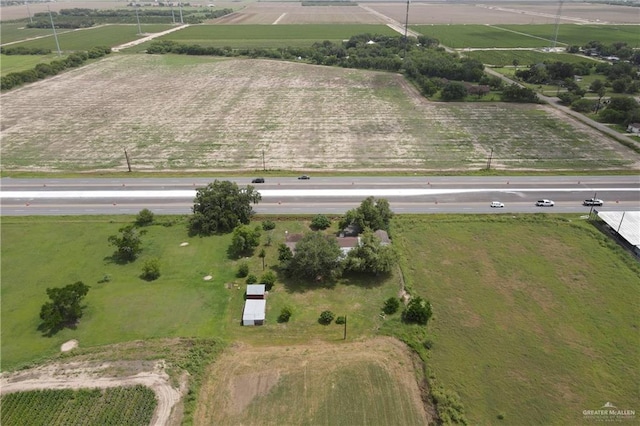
334 195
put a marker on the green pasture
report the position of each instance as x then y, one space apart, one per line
85 39
579 35
525 58
535 316
179 303
266 36
534 36
16 63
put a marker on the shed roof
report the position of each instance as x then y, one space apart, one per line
626 223
255 290
254 309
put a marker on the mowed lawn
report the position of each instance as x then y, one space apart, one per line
53 252
535 317
41 252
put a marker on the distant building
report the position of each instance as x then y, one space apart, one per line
634 128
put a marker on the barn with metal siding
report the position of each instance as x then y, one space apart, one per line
255 291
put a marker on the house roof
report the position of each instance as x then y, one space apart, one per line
350 242
635 125
255 289
625 223
254 309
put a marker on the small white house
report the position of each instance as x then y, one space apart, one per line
254 312
255 291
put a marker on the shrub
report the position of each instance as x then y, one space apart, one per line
341 320
326 317
418 311
252 279
285 314
243 270
268 279
151 269
145 217
268 225
391 305
320 221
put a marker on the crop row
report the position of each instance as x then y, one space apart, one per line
114 406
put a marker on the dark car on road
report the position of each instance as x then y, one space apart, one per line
258 180
304 177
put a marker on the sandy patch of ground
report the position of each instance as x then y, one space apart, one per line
93 375
244 373
67 346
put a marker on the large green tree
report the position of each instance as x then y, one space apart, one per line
64 309
417 311
373 214
370 256
221 206
244 240
317 257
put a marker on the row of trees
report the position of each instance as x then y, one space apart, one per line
41 71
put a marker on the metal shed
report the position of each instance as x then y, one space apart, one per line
626 224
254 312
255 291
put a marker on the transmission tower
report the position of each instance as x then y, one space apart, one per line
555 36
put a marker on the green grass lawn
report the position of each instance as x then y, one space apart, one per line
579 35
535 317
179 303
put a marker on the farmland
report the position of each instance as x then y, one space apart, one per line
132 405
232 109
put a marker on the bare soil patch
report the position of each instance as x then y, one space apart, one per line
244 373
222 114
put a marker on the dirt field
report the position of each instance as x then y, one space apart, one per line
290 385
492 12
221 115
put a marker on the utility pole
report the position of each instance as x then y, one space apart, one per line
345 328
29 12
406 30
591 209
489 161
180 6
128 162
55 35
138 19
264 166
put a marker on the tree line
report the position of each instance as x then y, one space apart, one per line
42 71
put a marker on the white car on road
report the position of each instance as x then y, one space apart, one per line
497 204
545 203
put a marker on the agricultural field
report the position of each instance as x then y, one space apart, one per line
269 36
527 36
115 406
233 109
85 39
534 316
525 58
359 382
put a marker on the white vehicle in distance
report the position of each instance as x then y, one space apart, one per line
545 203
592 202
497 204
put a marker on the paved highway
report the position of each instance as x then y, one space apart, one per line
329 195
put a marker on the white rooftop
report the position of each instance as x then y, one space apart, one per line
625 223
255 289
254 310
